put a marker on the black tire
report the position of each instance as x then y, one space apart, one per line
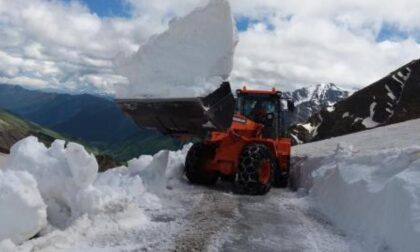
281 179
252 161
197 156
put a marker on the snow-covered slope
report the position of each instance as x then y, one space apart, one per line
367 184
191 58
310 100
58 188
391 99
150 206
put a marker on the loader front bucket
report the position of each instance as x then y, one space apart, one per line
184 116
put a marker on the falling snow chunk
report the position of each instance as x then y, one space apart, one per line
346 114
191 58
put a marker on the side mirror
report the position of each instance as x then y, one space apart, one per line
290 106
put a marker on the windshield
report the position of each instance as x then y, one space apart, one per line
248 105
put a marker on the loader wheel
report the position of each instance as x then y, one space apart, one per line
281 179
256 170
197 156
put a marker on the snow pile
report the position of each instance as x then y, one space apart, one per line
163 171
22 211
374 196
61 184
7 246
191 58
64 175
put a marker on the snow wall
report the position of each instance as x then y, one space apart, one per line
190 59
42 189
373 196
22 211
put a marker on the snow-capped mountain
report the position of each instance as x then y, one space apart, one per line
389 100
310 100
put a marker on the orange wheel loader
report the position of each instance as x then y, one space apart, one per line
242 139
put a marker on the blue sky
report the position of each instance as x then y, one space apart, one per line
120 8
107 8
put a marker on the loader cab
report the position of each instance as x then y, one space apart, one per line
264 107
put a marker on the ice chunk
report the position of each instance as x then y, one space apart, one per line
7 246
23 213
191 58
165 171
63 175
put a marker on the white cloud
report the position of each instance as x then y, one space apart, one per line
60 45
307 50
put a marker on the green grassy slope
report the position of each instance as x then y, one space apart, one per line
14 128
137 145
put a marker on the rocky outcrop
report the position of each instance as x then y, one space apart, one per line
311 100
392 99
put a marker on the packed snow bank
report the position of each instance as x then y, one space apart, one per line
165 171
64 175
374 196
368 186
23 213
191 58
7 246
397 135
66 178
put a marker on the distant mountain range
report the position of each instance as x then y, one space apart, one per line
394 98
94 120
99 123
322 111
13 128
311 100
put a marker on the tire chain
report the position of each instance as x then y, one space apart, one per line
248 177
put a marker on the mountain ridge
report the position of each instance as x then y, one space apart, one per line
13 128
98 121
91 119
391 99
312 99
